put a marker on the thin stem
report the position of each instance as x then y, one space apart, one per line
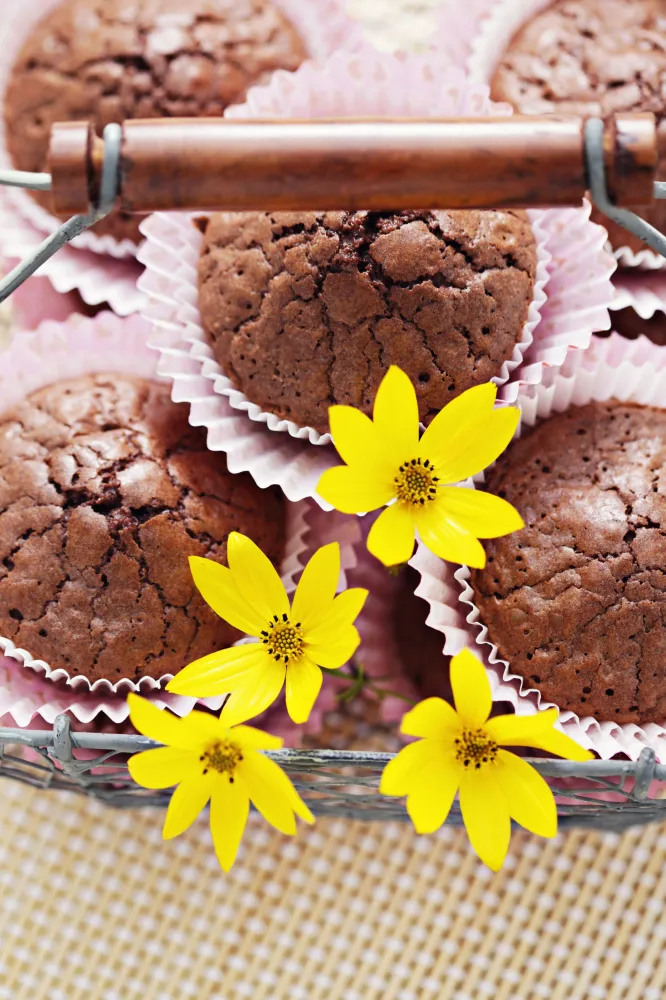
359 681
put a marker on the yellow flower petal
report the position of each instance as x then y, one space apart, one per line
355 490
459 448
430 799
482 514
447 539
258 692
391 538
304 680
256 578
433 718
316 588
396 415
281 782
216 585
163 767
186 803
273 794
344 611
336 653
553 741
445 436
518 730
229 809
531 802
358 442
485 812
401 773
255 739
164 727
220 672
471 689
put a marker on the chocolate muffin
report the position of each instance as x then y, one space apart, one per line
306 310
108 60
576 601
629 324
590 58
105 490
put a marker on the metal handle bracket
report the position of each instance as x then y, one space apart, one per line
78 223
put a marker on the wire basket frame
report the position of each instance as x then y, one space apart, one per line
607 795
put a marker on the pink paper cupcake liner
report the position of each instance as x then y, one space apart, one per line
613 368
643 291
487 28
323 24
616 351
578 295
97 279
78 347
378 653
29 700
363 83
31 304
457 28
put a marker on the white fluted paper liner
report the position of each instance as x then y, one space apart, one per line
615 351
322 24
29 701
642 291
457 26
78 347
96 278
489 28
27 695
643 260
361 83
610 371
578 295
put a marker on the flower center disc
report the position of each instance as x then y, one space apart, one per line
474 748
222 757
416 482
284 640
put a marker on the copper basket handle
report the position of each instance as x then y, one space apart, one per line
225 164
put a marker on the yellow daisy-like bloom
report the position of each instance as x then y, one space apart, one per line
294 641
211 761
460 750
387 464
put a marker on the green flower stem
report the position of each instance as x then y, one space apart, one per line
359 681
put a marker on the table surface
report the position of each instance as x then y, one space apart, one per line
93 906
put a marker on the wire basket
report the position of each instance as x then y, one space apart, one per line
607 795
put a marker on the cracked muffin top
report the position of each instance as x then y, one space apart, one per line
105 490
108 60
576 601
590 58
306 310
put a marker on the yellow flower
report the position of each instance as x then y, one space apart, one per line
460 750
294 642
387 464
210 761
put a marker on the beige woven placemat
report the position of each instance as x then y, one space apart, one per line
93 906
